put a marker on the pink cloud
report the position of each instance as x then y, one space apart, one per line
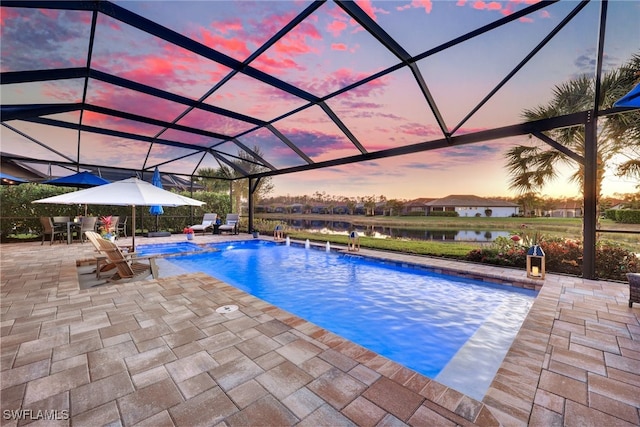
336 27
461 2
425 4
368 8
91 118
545 14
234 44
417 129
50 13
341 78
225 27
275 65
270 25
297 42
8 15
481 5
338 46
525 19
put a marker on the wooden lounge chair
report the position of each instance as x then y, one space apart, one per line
208 221
102 261
127 265
231 225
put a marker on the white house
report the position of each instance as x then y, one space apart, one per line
468 205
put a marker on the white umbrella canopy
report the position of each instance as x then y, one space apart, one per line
131 191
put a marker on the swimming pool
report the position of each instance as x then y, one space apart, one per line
416 318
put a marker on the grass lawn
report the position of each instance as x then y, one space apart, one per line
419 247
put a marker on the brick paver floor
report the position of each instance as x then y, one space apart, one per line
157 352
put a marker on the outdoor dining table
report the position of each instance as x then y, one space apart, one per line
72 225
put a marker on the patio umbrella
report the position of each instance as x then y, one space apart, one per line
631 99
80 180
7 179
131 191
156 209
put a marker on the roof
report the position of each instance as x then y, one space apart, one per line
20 167
248 86
571 204
422 201
471 201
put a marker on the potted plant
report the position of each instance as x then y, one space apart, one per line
189 232
255 233
106 228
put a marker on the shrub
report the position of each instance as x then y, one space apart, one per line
444 213
562 256
628 216
610 214
614 262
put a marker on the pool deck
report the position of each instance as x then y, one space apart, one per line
157 353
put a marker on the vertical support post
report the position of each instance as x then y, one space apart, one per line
590 199
253 186
251 189
590 190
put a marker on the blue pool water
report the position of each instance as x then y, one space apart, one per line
416 318
166 248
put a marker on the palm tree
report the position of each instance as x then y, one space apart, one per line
211 180
530 167
240 187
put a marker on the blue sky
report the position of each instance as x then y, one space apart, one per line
323 54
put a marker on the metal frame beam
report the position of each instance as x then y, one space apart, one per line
574 119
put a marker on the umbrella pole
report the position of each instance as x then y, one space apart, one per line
133 228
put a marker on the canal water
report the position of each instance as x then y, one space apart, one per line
444 234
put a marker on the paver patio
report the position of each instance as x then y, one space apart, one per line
157 353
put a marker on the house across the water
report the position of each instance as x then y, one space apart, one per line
469 205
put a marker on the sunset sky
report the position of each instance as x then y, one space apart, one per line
323 54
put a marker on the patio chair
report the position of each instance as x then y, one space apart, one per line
128 268
278 232
121 227
48 229
634 288
114 225
231 224
353 243
208 221
88 224
60 222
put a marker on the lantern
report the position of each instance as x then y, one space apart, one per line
535 262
